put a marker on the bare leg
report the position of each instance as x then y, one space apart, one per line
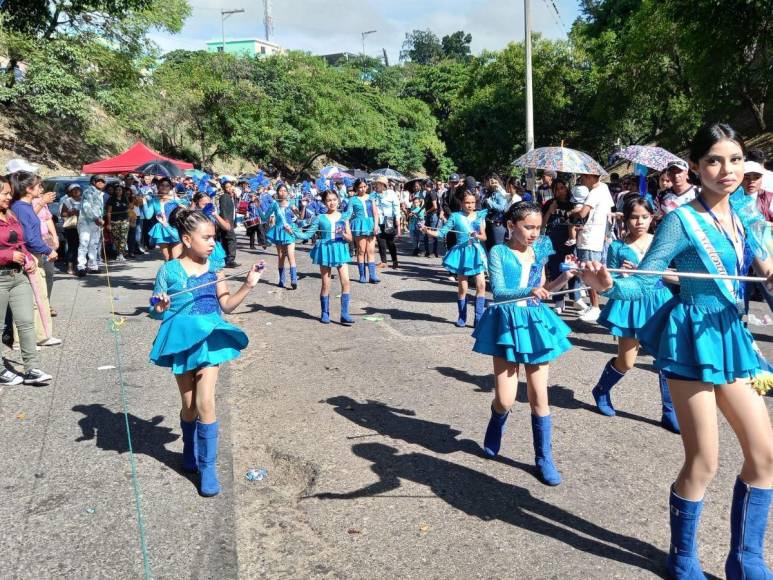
505 384
343 272
462 290
186 383
627 350
206 378
325 272
537 389
480 285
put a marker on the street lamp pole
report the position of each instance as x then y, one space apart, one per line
364 35
223 15
529 93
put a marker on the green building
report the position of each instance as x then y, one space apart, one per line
244 47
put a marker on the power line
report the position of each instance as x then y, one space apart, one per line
555 14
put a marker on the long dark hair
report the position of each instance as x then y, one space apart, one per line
633 201
357 183
21 181
711 134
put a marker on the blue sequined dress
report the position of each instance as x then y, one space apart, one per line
626 317
193 333
283 216
162 232
467 257
361 220
521 332
331 250
698 334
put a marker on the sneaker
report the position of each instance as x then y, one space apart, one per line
581 305
120 258
93 270
570 243
36 377
591 314
8 377
51 341
142 250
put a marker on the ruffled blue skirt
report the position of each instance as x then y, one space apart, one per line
466 259
163 234
626 317
189 342
362 226
705 343
330 253
521 334
278 236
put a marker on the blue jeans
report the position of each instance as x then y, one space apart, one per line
584 256
432 221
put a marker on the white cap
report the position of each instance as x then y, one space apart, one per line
16 165
753 167
73 186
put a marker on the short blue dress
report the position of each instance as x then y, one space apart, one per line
162 232
698 334
468 256
331 250
361 221
626 317
527 331
283 216
193 333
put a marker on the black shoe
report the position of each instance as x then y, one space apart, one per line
415 252
426 255
232 265
294 285
436 255
395 265
80 273
36 377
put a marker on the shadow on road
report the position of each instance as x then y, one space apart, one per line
397 314
484 383
108 429
564 398
282 311
482 496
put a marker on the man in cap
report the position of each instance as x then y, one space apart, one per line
545 189
90 222
681 191
228 202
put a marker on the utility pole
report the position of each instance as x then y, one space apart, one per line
365 35
529 93
223 15
268 20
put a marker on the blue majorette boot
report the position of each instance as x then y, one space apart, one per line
541 431
480 308
324 303
608 379
206 437
189 445
374 279
682 562
748 522
345 318
461 304
668 419
294 277
493 439
361 270
281 277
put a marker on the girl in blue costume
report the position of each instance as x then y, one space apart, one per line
331 251
699 341
624 318
194 340
281 234
162 233
467 259
364 221
525 332
203 202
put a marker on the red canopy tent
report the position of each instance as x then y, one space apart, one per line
130 160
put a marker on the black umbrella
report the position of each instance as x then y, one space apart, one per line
160 167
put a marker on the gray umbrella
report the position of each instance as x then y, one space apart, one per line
160 167
389 174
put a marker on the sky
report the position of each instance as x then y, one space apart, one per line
329 26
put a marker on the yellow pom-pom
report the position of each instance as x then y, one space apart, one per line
763 383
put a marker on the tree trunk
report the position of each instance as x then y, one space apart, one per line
757 109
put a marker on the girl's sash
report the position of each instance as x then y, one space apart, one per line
708 254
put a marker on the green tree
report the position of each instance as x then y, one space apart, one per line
457 45
421 47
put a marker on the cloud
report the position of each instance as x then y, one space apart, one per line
322 26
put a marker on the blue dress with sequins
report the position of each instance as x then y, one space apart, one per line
283 216
467 257
193 333
361 220
162 232
698 334
526 331
331 250
626 317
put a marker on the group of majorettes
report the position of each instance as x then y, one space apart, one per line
704 353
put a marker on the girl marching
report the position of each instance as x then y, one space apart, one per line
467 259
281 234
700 343
163 234
624 318
364 225
331 251
194 340
526 332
